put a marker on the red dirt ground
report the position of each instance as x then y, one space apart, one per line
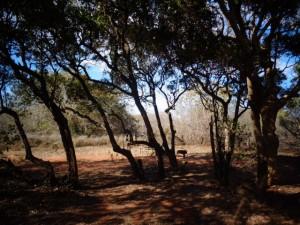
108 194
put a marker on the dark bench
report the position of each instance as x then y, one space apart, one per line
182 152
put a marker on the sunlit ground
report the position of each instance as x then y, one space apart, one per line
109 195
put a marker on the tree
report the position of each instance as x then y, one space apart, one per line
112 40
251 36
262 33
6 104
23 54
79 105
289 119
221 93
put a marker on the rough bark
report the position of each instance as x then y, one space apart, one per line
67 141
271 141
264 127
151 137
255 96
262 158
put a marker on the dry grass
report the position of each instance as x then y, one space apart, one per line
92 153
54 140
45 141
82 141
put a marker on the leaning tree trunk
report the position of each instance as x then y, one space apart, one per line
137 170
67 141
159 152
28 153
29 156
170 152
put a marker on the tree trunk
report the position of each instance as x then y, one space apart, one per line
160 163
271 141
151 137
229 152
172 158
138 172
172 153
222 145
29 156
255 98
160 127
67 141
262 157
28 153
21 130
263 113
62 123
213 148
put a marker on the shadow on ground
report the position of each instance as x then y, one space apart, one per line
110 195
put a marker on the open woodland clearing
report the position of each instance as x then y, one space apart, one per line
149 112
96 153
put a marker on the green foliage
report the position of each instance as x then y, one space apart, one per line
8 133
289 117
176 33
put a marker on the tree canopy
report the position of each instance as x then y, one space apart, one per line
230 51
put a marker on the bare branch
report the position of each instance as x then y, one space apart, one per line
83 116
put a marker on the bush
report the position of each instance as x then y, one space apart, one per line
82 141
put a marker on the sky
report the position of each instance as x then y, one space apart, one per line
96 71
